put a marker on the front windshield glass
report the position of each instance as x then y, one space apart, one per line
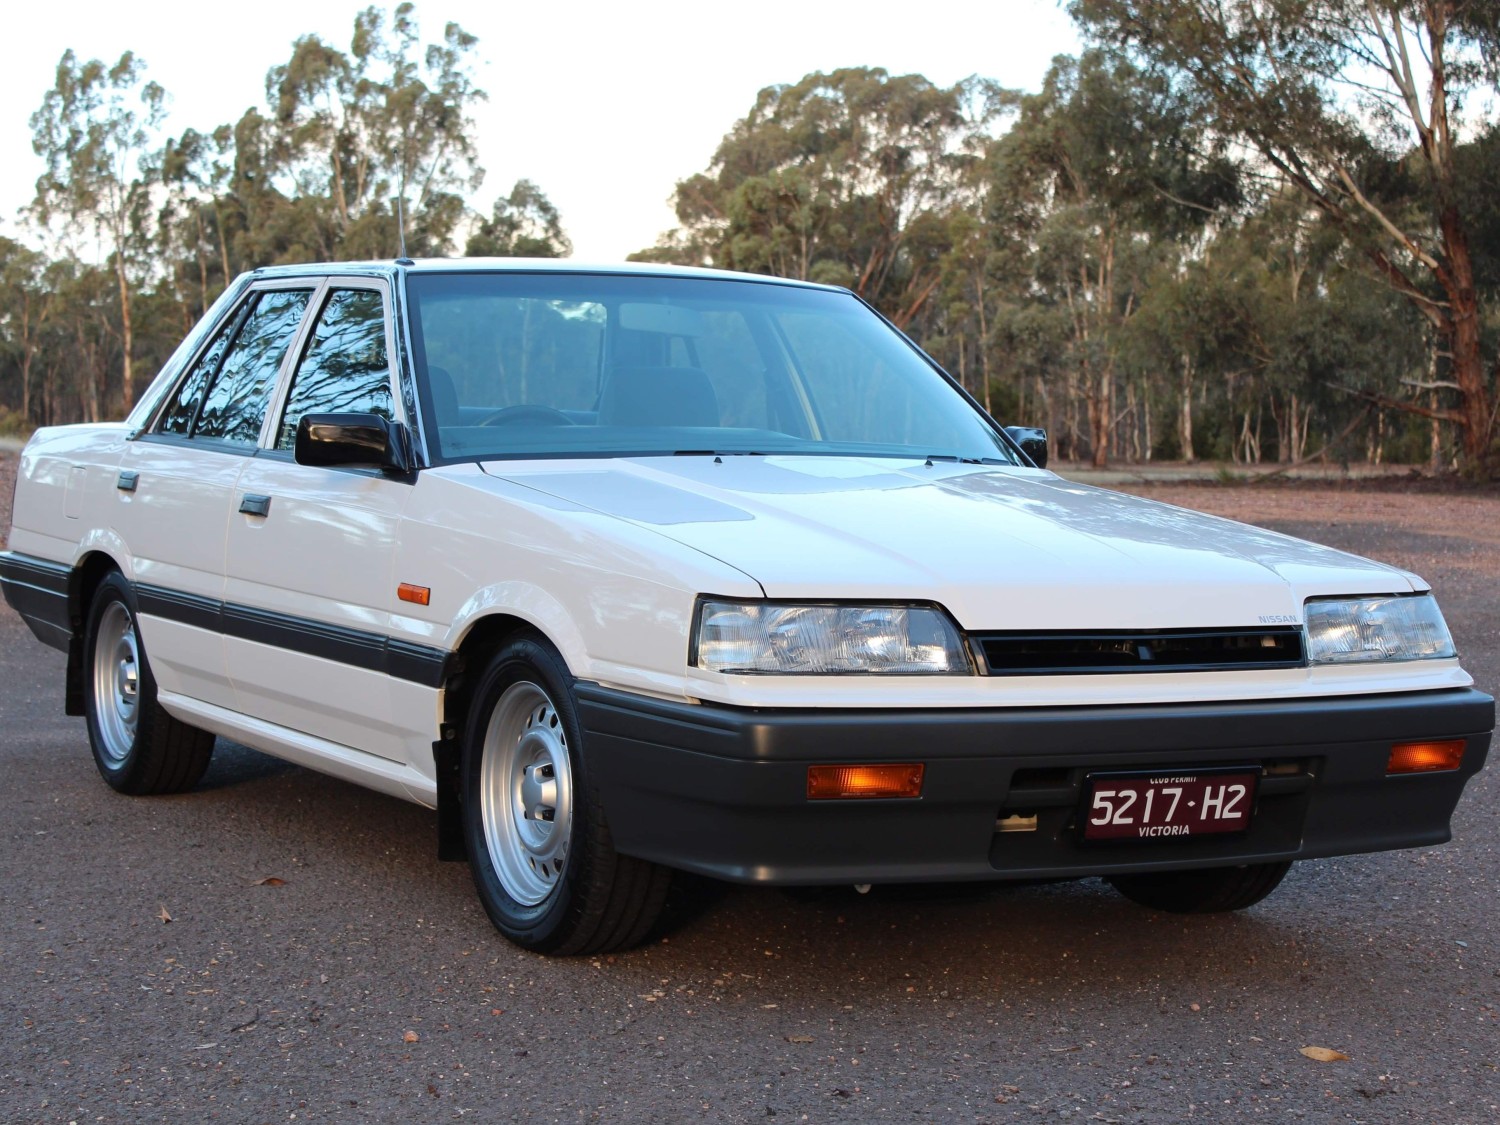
553 364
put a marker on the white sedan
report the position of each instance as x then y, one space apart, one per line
636 569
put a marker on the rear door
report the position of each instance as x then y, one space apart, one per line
176 480
310 549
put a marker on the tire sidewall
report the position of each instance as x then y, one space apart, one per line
122 775
522 660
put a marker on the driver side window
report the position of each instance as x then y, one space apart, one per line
345 367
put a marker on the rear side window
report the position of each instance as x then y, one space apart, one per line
236 402
182 407
345 367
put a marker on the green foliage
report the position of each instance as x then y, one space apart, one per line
350 146
1232 229
523 224
1356 106
848 178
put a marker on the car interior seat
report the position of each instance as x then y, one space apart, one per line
658 396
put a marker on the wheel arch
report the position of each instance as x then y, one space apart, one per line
482 638
88 571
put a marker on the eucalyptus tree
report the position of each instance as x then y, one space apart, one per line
1361 106
523 224
379 134
1100 178
195 170
844 178
92 130
27 304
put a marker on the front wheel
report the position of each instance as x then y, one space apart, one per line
539 845
138 747
1208 891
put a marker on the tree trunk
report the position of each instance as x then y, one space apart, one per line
1435 449
126 336
984 344
1185 420
202 263
1464 346
1146 420
223 248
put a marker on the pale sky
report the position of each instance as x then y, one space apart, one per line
604 105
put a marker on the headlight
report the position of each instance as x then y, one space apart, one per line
827 640
1360 630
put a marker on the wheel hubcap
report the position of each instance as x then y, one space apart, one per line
526 793
116 682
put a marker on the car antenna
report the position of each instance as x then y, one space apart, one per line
403 260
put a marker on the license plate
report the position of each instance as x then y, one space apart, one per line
1168 806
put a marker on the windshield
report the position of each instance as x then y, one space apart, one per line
554 364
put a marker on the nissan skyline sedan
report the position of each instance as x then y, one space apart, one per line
631 570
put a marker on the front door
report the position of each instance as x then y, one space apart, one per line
310 550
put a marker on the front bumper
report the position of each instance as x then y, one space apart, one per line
723 791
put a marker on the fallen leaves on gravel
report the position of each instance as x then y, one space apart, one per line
1324 1054
799 1038
163 915
410 1037
269 881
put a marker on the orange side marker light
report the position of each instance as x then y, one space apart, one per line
410 592
1423 757
837 782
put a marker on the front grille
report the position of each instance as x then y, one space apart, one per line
1143 650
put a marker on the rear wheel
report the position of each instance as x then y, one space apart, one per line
1209 891
538 843
138 747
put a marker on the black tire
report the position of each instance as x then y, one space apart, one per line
539 845
1208 891
138 747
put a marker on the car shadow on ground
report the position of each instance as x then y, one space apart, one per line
234 765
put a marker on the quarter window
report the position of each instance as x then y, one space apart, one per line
345 367
236 403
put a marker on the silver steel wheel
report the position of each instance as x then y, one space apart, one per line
526 793
117 682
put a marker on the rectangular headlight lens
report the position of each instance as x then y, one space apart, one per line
827 640
1364 630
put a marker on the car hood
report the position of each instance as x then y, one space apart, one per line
1001 548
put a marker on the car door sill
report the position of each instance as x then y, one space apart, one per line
344 762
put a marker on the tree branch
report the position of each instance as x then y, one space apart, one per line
1377 399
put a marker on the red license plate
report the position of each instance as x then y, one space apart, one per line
1168 806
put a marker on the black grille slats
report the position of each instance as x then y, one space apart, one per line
1155 650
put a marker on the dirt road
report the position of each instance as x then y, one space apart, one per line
365 983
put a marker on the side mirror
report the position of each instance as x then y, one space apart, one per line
337 440
1033 443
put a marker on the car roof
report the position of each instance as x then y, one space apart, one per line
525 265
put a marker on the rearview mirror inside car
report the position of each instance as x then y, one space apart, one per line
670 320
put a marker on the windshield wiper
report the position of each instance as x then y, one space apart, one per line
957 460
717 453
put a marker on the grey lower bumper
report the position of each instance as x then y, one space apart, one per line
722 791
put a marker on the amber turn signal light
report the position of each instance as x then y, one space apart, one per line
1420 757
833 782
410 592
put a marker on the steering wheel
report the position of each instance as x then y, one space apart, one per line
526 412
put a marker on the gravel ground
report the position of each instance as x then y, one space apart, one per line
320 965
7 490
